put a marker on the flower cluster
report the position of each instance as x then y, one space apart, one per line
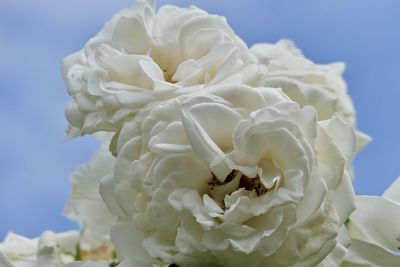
216 154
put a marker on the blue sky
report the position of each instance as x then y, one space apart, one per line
35 162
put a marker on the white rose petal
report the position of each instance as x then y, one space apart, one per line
365 254
376 219
374 230
393 192
335 258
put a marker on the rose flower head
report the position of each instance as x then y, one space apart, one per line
305 82
230 176
143 55
321 86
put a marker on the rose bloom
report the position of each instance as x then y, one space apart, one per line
52 250
231 176
142 56
48 250
307 83
85 205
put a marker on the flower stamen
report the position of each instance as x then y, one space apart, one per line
237 180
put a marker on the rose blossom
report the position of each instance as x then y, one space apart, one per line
307 83
47 251
86 205
142 56
53 250
231 176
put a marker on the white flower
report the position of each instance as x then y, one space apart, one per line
375 231
231 176
50 250
142 56
86 205
307 83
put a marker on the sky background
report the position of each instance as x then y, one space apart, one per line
35 35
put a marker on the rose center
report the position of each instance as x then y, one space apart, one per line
168 76
164 59
234 181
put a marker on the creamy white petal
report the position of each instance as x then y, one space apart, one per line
128 241
377 218
393 192
364 254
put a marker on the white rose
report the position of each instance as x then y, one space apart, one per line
307 83
52 250
86 205
142 56
49 250
375 231
230 177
